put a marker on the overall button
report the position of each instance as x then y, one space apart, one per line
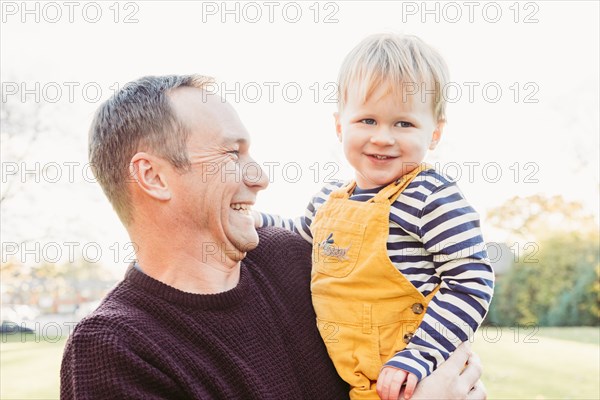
407 337
417 308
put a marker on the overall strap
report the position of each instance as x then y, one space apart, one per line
390 193
343 192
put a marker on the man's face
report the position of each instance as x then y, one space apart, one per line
216 195
386 137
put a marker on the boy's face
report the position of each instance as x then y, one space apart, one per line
385 137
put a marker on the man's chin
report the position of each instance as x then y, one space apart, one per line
247 243
242 233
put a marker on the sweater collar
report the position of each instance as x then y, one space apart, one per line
215 301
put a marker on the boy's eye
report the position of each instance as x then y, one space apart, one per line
368 121
404 124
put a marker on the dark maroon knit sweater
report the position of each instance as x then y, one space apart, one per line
148 340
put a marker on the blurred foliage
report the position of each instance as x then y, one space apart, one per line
557 282
48 286
534 217
21 125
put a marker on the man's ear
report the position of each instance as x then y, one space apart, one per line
147 171
437 135
338 125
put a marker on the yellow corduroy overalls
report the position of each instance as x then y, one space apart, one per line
366 309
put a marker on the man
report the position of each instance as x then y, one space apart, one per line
195 317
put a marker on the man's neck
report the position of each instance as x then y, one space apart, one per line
184 263
191 275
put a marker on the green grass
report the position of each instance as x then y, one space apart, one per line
30 366
549 363
578 334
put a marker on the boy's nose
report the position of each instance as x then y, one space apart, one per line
383 137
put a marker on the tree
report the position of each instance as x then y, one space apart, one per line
77 281
556 283
21 126
581 305
536 216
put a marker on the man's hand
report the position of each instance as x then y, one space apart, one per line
452 380
390 382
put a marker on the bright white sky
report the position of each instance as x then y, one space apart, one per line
555 61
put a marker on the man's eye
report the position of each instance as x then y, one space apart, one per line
235 154
404 124
368 121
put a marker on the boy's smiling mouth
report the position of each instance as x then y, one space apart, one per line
381 156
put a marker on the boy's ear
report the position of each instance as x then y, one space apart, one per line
146 171
338 125
437 135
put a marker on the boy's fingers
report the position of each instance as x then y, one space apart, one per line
396 384
382 384
411 384
257 218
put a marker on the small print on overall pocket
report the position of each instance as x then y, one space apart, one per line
336 246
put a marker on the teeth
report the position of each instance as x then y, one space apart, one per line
243 208
380 157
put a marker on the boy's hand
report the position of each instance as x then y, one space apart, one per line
257 218
390 382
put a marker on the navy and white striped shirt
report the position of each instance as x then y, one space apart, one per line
434 239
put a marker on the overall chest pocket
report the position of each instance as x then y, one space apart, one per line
336 247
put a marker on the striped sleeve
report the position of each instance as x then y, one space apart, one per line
301 225
450 232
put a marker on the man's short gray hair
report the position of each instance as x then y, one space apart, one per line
139 117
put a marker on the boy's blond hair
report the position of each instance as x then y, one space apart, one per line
403 62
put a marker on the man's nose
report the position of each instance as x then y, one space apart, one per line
254 176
